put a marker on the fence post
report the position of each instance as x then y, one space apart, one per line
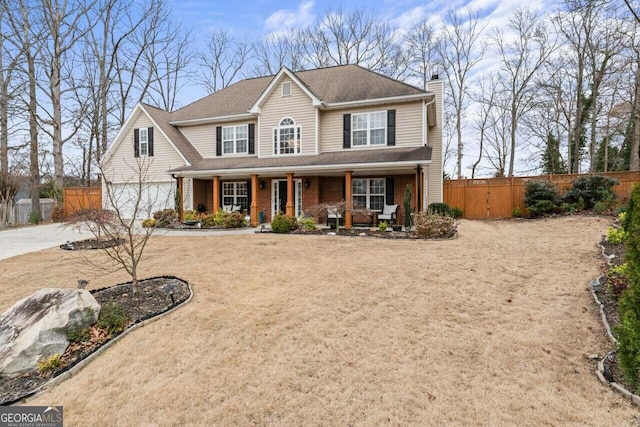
464 198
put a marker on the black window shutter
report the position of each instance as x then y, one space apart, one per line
136 142
218 140
346 131
249 199
389 191
344 189
391 127
252 138
150 139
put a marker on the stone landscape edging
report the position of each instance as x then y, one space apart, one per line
43 389
600 371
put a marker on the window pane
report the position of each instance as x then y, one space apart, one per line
359 202
377 186
377 137
241 188
359 137
241 146
359 186
376 203
227 133
286 122
143 149
227 188
378 120
143 135
241 132
359 121
228 147
227 201
243 202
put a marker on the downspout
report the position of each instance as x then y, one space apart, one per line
425 127
173 175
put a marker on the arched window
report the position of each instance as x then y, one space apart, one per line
287 137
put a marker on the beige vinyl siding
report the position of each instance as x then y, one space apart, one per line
434 139
122 165
408 125
299 107
203 137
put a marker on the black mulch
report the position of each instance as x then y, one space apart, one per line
154 299
610 306
91 244
365 232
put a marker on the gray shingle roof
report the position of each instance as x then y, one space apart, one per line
353 156
181 142
333 84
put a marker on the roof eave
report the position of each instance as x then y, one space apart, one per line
377 101
218 119
303 168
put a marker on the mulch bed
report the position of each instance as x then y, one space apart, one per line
154 300
610 306
91 244
373 232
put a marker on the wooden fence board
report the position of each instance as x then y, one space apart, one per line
76 198
495 198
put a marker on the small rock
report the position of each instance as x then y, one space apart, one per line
362 234
332 233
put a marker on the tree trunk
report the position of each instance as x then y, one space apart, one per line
514 128
34 167
56 105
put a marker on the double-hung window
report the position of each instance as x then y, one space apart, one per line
235 193
368 193
143 142
235 139
369 128
287 137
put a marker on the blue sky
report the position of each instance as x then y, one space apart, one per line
258 18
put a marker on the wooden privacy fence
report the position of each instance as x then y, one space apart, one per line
495 198
76 198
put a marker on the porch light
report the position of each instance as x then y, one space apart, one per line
307 183
262 184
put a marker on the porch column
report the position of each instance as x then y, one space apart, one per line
254 201
347 193
290 202
216 194
180 199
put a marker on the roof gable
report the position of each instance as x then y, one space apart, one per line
255 108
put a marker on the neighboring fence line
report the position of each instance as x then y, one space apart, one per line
77 198
495 198
22 210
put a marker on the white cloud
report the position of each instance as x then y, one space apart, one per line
286 19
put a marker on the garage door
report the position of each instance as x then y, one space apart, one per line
155 196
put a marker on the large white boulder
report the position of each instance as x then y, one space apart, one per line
36 326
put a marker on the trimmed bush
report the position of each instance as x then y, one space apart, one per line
113 318
307 223
541 198
628 331
208 220
591 190
457 213
234 220
48 365
382 226
57 214
616 236
433 226
282 223
78 335
149 223
165 216
442 209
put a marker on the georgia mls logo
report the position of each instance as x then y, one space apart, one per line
31 416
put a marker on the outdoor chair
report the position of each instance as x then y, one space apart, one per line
332 215
388 214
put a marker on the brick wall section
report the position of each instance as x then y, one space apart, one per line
264 198
203 193
400 183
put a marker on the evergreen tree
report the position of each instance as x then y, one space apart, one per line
552 162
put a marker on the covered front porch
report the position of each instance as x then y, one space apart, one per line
262 196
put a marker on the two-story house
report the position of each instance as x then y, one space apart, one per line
288 143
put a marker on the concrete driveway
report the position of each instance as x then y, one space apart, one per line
23 240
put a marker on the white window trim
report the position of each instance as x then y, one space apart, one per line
235 195
369 194
146 142
297 129
288 83
369 129
235 139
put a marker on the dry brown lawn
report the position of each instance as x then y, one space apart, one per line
489 329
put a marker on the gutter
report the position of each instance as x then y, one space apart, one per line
403 98
232 117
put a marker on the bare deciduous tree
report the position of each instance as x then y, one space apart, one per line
423 61
460 49
222 60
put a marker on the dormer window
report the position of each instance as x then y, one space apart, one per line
287 137
286 89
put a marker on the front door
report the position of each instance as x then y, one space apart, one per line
279 196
